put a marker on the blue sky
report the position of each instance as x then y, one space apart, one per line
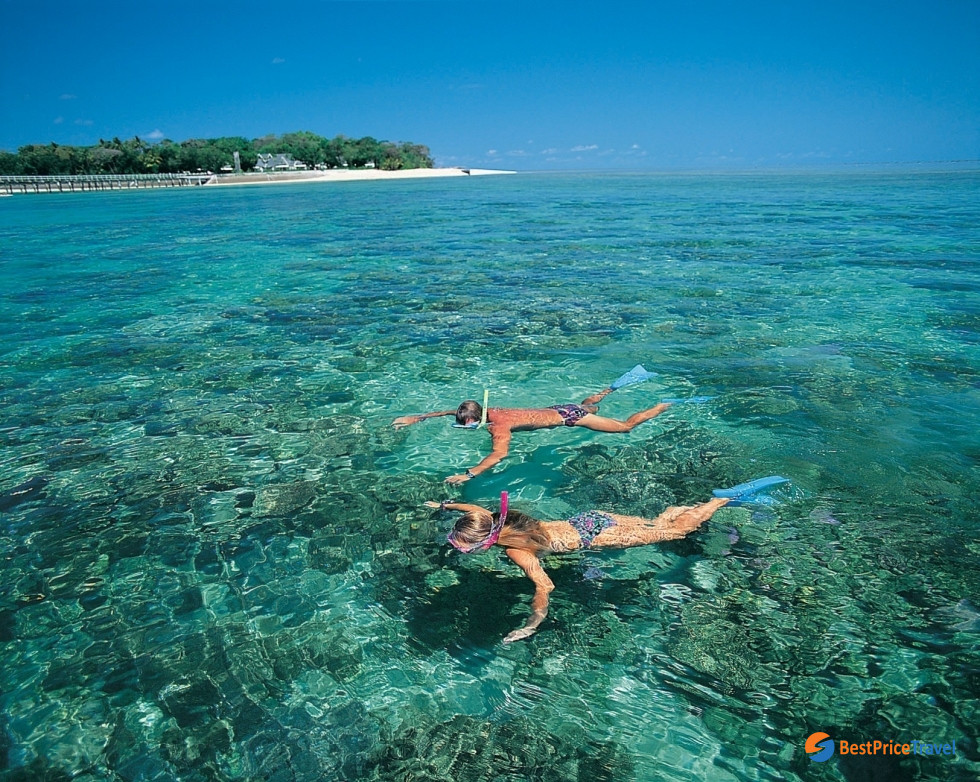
527 86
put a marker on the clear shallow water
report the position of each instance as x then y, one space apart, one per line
215 559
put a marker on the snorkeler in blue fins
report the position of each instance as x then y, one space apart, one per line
502 421
526 539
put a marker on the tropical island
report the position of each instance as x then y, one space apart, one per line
300 151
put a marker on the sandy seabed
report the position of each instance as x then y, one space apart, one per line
346 175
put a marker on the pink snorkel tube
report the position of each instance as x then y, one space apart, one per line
498 525
494 535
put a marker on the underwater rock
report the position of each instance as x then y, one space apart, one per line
85 730
26 491
470 748
622 482
281 500
962 617
160 429
326 556
707 641
336 397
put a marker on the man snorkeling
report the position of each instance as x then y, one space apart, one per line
502 421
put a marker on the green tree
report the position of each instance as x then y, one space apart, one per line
391 159
364 151
9 164
169 155
268 144
232 144
51 159
104 160
331 151
132 160
138 156
151 162
415 156
80 160
202 155
303 146
38 159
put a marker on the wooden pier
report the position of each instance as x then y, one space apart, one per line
87 182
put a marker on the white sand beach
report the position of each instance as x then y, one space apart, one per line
346 175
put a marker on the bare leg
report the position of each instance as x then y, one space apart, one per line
598 423
595 399
691 519
673 524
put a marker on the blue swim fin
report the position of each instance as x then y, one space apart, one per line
748 493
636 375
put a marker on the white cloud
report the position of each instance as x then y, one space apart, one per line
67 96
58 120
156 135
551 151
492 152
585 148
278 61
84 122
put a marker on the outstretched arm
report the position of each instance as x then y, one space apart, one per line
531 565
408 420
501 447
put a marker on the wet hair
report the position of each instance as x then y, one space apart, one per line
469 411
473 528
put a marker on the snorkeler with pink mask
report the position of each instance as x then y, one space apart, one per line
525 539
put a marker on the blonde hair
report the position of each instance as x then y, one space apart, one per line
473 528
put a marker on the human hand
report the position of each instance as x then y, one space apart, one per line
405 420
458 478
517 635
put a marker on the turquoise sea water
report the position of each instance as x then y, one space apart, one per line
215 560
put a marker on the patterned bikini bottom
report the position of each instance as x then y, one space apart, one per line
570 414
589 524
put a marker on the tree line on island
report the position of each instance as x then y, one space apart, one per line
138 156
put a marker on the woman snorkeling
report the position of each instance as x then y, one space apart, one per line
525 539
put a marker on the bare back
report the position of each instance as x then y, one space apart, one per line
522 419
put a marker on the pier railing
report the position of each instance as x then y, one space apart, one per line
83 182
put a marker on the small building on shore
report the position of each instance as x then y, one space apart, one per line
278 162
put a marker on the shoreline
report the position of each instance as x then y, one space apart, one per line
345 175
67 183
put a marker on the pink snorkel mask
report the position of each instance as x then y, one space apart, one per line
494 535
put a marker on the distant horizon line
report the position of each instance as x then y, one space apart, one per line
964 163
